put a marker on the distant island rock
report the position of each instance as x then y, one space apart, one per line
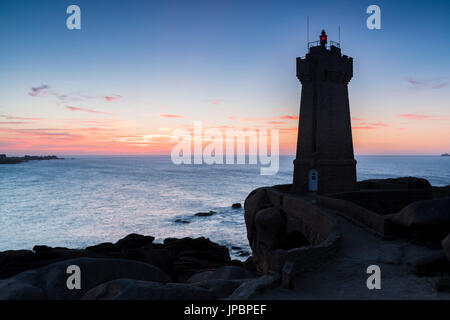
13 160
445 155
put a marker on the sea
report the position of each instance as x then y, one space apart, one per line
86 200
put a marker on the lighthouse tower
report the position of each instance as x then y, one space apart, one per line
325 161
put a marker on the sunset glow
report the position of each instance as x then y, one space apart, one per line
104 90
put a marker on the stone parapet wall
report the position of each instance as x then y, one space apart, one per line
357 214
300 215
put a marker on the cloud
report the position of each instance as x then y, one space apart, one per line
284 117
13 122
56 133
214 102
433 83
165 115
45 90
365 125
276 122
85 110
35 91
412 81
288 117
112 97
440 85
364 128
413 116
20 118
374 124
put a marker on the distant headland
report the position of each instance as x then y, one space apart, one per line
13 160
445 155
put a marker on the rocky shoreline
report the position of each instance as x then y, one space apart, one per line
289 234
14 160
132 268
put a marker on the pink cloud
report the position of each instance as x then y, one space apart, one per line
412 81
287 117
364 128
276 122
20 118
13 122
357 119
112 98
85 110
413 116
165 115
374 124
284 117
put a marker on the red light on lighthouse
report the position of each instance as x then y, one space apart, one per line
323 38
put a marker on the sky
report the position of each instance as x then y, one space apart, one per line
138 70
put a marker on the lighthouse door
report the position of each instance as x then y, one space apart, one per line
313 179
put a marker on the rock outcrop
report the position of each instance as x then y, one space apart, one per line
224 273
409 183
131 289
446 246
179 258
267 228
132 268
425 221
49 282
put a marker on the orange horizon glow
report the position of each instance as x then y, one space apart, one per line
33 135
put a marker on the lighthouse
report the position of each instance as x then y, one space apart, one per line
324 160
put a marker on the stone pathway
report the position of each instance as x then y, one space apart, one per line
345 276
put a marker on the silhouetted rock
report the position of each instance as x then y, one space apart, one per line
255 201
130 289
431 265
49 282
270 226
194 255
181 221
427 221
249 265
224 273
395 183
243 253
221 288
205 214
179 258
15 261
446 246
134 240
236 205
